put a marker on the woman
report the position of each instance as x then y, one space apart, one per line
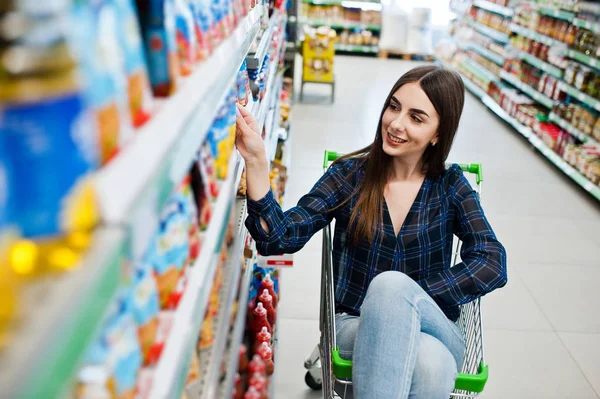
396 208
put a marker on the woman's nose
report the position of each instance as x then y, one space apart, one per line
398 123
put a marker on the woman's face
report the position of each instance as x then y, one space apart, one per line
410 123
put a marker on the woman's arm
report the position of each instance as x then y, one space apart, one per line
274 231
483 266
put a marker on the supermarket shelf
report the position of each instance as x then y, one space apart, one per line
495 8
479 70
544 66
525 88
582 23
256 58
274 122
362 4
556 13
584 59
472 87
343 25
355 48
487 31
572 129
237 332
173 365
577 177
134 186
490 55
579 95
65 314
544 149
210 381
547 40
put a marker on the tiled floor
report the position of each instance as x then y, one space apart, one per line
542 331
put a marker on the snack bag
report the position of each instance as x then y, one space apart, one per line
186 36
143 304
170 248
138 86
157 21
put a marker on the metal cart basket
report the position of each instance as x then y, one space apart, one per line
328 371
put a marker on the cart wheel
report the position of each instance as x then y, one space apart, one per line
311 382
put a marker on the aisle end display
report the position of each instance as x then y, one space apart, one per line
537 66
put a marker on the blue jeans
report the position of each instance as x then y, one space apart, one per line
402 345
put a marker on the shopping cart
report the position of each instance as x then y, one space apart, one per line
328 371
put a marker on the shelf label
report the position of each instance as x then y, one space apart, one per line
286 260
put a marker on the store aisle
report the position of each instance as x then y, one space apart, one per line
543 329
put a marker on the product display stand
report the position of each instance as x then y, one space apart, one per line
525 63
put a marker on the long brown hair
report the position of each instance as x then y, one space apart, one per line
446 91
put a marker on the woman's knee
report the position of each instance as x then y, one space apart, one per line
435 370
393 284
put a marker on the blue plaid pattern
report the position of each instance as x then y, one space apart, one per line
445 206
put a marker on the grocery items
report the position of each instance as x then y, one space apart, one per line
318 49
138 85
185 32
157 22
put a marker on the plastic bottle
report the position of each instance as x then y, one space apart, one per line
260 383
262 336
257 365
267 283
252 393
266 354
267 300
260 318
239 390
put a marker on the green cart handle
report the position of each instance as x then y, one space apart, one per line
330 156
474 168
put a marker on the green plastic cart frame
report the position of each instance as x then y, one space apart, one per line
326 368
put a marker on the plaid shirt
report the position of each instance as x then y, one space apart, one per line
445 206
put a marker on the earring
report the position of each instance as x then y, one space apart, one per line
433 143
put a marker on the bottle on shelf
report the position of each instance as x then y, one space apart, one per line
267 283
257 365
260 318
267 300
266 353
263 336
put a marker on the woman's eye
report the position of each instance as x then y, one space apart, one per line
416 119
394 107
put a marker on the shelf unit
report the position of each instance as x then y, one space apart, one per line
45 352
208 385
526 132
556 13
490 55
579 95
544 66
533 35
255 57
163 149
572 129
582 23
355 48
487 31
495 8
525 88
342 24
583 58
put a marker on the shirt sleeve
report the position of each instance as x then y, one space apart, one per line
483 266
289 231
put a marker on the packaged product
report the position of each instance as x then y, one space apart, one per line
157 21
243 85
202 18
143 304
202 198
144 382
186 36
138 85
206 166
97 38
194 369
43 101
114 360
170 246
165 323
